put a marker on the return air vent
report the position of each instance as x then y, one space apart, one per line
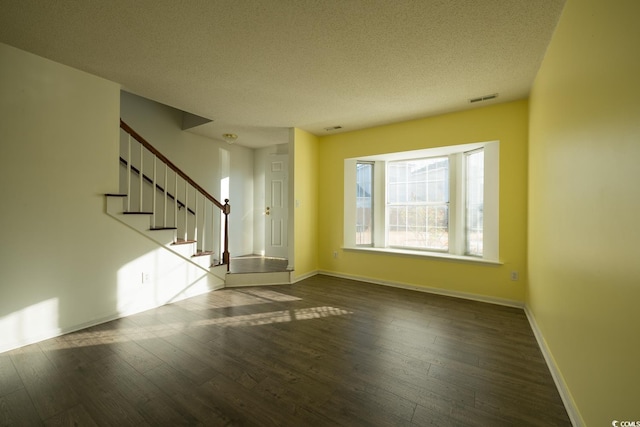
483 98
329 129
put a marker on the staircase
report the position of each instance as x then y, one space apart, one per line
245 272
161 202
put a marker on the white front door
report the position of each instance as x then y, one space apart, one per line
276 205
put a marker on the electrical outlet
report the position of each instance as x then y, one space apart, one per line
514 276
146 277
335 254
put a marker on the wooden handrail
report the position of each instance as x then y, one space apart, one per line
168 162
226 208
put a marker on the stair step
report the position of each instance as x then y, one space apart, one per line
162 228
137 213
234 280
115 195
183 242
202 253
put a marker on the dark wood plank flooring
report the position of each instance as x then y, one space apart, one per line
324 352
257 264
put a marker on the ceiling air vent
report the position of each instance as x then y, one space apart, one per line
483 98
329 129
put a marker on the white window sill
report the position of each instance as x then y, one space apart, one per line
423 254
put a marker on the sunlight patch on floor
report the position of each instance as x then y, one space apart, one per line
101 337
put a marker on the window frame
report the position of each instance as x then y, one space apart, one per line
467 250
372 212
457 204
426 204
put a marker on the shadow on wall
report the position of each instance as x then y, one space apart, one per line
155 278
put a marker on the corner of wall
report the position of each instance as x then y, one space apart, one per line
305 199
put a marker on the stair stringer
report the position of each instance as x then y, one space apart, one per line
141 223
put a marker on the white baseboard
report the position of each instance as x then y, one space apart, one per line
56 332
567 400
430 290
305 276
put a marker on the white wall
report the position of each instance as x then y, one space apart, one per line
64 263
198 157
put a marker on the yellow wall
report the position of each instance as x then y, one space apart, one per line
584 229
504 122
305 192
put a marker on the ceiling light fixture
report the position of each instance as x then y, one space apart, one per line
230 138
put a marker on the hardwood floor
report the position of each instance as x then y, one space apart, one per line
324 351
258 264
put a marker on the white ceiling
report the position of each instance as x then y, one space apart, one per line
259 67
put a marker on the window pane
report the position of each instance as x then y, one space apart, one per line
364 203
474 202
417 197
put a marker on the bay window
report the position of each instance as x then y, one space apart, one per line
433 202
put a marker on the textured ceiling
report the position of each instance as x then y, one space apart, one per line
258 67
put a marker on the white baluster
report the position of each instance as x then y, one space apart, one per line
220 233
204 223
195 219
141 174
164 217
128 173
175 202
186 210
153 197
213 229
